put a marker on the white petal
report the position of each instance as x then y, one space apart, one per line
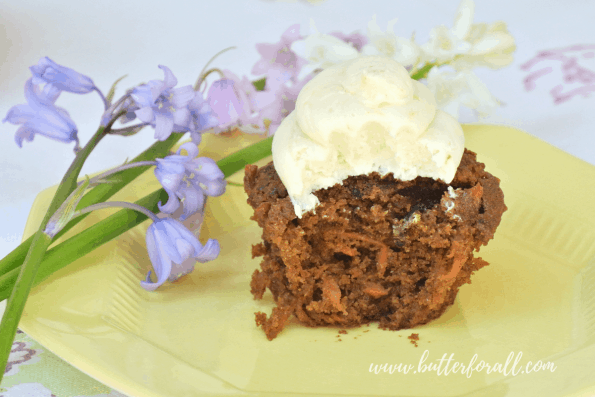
463 19
373 27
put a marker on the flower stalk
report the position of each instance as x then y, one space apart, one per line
98 194
228 103
111 227
39 245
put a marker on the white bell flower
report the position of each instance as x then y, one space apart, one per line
455 89
405 51
492 46
445 44
322 50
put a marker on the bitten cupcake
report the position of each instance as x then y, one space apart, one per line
372 208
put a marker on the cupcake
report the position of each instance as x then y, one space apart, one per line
372 208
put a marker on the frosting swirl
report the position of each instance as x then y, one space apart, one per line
361 116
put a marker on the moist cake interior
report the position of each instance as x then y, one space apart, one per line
375 249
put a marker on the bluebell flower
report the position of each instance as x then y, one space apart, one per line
189 179
169 244
61 77
202 117
41 116
229 103
126 104
161 105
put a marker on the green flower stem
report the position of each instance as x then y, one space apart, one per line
260 84
122 204
122 221
240 159
96 195
7 281
39 245
423 72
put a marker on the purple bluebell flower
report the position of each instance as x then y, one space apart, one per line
356 39
127 104
254 101
189 179
169 244
279 55
41 116
61 77
130 106
283 94
229 103
161 105
202 117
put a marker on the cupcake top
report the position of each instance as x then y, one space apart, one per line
362 116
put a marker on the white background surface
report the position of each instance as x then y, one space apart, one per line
111 38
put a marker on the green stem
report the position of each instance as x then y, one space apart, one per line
96 195
122 221
7 281
423 72
260 84
39 245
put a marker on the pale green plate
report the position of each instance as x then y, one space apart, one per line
197 337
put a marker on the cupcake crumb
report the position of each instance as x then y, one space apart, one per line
413 338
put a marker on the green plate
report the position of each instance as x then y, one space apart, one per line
535 303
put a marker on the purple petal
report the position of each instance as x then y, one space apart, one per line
156 88
261 67
224 102
23 133
193 200
268 50
291 34
143 96
51 92
178 230
19 114
184 248
167 236
209 252
206 167
61 77
211 188
190 148
169 79
196 137
181 119
184 268
170 241
172 205
272 128
182 96
32 95
164 125
169 173
202 117
145 114
41 116
54 123
262 99
276 78
159 258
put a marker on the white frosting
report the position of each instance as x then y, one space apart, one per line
358 117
